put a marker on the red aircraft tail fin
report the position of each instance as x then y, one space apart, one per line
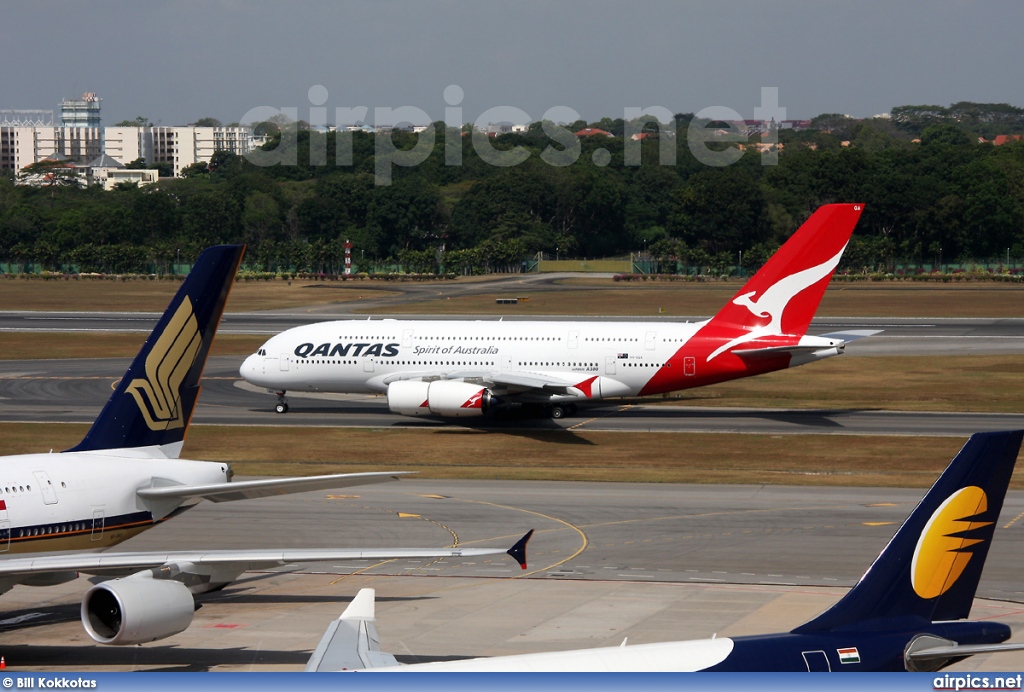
772 310
782 297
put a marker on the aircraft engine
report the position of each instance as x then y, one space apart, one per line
136 609
439 398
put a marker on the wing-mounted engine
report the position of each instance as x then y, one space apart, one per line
449 398
136 609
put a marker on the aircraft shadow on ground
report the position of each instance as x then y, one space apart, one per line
155 658
807 417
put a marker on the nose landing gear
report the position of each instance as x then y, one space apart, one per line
282 403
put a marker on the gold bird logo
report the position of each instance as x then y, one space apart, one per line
159 394
944 549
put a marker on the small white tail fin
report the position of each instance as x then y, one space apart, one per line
351 642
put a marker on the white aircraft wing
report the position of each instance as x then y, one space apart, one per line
522 380
266 487
236 561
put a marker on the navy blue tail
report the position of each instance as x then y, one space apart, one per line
153 403
931 567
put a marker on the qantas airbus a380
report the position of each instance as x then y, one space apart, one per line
466 368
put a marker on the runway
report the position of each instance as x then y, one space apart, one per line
74 391
608 561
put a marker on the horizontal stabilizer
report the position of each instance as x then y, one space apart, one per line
957 651
851 335
774 351
266 487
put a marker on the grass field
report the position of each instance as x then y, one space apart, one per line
552 455
650 299
153 296
31 346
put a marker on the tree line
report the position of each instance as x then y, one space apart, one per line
933 194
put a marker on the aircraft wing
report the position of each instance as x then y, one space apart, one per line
234 560
520 379
266 487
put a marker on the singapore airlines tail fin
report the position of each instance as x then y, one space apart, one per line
151 407
930 569
779 301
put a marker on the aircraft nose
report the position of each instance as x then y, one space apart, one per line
248 367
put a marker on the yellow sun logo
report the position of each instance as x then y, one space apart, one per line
943 550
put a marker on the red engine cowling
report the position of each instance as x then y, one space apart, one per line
446 398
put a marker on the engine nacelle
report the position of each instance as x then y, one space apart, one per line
447 398
136 609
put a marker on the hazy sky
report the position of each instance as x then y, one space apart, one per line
174 62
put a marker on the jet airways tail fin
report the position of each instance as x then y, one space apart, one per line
153 403
931 567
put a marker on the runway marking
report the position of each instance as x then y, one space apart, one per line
427 566
1014 520
591 420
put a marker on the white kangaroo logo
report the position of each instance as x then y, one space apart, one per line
774 301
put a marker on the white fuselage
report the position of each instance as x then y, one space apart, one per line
628 352
366 356
664 657
86 501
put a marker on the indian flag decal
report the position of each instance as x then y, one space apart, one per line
850 655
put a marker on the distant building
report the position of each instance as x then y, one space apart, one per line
1000 140
84 112
179 146
593 132
23 146
109 172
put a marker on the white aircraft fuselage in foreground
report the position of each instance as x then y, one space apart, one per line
462 368
59 511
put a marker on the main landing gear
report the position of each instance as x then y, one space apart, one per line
558 411
282 403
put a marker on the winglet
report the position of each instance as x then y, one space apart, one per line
518 551
153 402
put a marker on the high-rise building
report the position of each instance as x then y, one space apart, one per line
23 146
82 113
179 146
